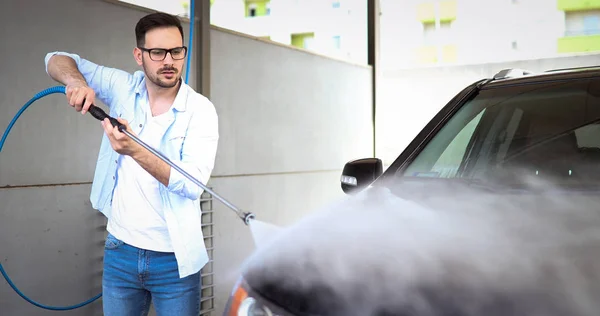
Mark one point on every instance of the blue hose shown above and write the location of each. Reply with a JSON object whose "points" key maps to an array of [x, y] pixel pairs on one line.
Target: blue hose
{"points": [[62, 89], [189, 60], [41, 94]]}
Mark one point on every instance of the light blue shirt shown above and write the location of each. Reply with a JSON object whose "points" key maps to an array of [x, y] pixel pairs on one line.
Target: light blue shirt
{"points": [[190, 142]]}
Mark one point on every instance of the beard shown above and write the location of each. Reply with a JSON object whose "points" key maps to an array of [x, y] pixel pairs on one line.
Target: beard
{"points": [[157, 80]]}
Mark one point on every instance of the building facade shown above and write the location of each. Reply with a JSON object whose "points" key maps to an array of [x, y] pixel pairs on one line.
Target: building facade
{"points": [[417, 33], [335, 28]]}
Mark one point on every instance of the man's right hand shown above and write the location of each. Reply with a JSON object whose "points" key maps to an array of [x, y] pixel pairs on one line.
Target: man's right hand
{"points": [[76, 94]]}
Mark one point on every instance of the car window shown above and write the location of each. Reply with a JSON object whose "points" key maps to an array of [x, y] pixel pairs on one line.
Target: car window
{"points": [[547, 130], [446, 164]]}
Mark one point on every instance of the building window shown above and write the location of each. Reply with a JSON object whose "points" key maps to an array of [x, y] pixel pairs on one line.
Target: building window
{"points": [[337, 42], [303, 40], [591, 25], [256, 8], [581, 23], [445, 36], [433, 36], [429, 34], [309, 43], [252, 10]]}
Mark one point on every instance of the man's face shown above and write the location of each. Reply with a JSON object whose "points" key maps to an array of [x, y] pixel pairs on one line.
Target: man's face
{"points": [[165, 72]]}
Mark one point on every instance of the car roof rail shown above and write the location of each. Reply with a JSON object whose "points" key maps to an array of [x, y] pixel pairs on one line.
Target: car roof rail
{"points": [[511, 73], [573, 68]]}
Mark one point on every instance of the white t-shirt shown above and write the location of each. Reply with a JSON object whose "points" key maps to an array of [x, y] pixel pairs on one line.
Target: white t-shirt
{"points": [[137, 216]]}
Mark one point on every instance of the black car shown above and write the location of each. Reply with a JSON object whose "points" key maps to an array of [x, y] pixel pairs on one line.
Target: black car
{"points": [[493, 209]]}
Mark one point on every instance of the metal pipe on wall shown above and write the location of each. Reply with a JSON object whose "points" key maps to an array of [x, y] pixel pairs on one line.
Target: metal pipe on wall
{"points": [[373, 42], [202, 46]]}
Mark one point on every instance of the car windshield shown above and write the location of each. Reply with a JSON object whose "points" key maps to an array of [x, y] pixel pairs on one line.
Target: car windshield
{"points": [[550, 131]]}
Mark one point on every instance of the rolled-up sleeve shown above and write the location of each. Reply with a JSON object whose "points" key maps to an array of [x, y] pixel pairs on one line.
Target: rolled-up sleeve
{"points": [[105, 81], [198, 152], [75, 57]]}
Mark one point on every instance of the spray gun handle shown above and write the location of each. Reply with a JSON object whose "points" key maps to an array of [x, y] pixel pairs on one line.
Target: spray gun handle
{"points": [[100, 115]]}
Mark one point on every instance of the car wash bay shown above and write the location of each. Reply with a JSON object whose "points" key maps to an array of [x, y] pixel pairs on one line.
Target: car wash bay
{"points": [[289, 120]]}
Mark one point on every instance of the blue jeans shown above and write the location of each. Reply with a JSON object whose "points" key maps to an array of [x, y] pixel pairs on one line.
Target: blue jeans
{"points": [[134, 277]]}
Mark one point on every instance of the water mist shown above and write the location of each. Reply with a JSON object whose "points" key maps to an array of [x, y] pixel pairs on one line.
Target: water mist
{"points": [[455, 251]]}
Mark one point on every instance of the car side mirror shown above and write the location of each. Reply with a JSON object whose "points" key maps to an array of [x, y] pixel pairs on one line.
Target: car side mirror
{"points": [[358, 174]]}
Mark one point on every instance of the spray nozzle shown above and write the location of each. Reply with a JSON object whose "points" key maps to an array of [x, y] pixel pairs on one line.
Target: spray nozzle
{"points": [[247, 217]]}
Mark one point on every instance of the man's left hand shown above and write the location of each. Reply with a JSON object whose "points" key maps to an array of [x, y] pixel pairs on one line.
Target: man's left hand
{"points": [[120, 142]]}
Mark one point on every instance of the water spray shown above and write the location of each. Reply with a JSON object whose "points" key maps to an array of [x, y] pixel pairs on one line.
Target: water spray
{"points": [[100, 115]]}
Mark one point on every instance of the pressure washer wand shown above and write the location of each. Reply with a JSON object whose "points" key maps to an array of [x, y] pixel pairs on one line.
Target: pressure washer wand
{"points": [[99, 114]]}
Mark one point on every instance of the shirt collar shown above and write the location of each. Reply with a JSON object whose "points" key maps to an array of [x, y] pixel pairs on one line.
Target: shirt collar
{"points": [[180, 102]]}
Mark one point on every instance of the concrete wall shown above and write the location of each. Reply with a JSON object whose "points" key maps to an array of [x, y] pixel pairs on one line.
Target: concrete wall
{"points": [[411, 97], [289, 120]]}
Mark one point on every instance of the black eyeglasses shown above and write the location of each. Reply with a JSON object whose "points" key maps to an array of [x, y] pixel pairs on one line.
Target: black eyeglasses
{"points": [[159, 54]]}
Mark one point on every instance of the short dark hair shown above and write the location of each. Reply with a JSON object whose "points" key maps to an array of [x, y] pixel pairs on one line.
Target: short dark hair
{"points": [[152, 21]]}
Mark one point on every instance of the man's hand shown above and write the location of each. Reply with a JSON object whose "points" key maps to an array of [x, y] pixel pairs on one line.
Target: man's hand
{"points": [[64, 69], [77, 92], [124, 145], [120, 142]]}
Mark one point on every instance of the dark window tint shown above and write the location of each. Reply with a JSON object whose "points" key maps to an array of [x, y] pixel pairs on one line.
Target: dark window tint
{"points": [[550, 131]]}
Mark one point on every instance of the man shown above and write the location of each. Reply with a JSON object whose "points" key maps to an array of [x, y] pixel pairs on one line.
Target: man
{"points": [[154, 249]]}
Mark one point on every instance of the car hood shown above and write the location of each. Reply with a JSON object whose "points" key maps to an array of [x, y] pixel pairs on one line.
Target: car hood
{"points": [[454, 252]]}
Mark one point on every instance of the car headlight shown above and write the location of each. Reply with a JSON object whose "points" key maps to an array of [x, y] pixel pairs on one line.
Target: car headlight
{"points": [[245, 302], [250, 307]]}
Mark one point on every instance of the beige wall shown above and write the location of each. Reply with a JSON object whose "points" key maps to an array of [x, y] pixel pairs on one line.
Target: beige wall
{"points": [[289, 122]]}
